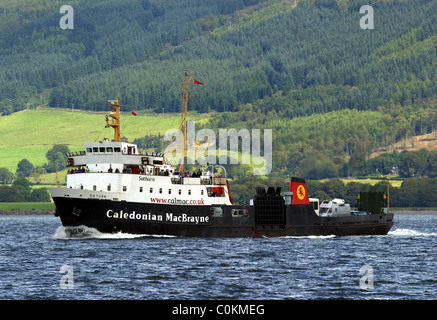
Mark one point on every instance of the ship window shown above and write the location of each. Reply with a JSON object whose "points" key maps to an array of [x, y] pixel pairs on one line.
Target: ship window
{"points": [[189, 192], [124, 188], [201, 192], [109, 149], [180, 191], [109, 187], [95, 149], [90, 150], [141, 189], [216, 192], [216, 212], [239, 212], [102, 149], [94, 188], [151, 190], [117, 150], [169, 191], [160, 190]]}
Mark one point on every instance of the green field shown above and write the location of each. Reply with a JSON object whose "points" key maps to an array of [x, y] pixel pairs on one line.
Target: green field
{"points": [[30, 134], [27, 206], [393, 183]]}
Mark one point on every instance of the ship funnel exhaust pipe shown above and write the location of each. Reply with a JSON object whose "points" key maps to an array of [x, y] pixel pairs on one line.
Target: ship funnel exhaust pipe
{"points": [[299, 189]]}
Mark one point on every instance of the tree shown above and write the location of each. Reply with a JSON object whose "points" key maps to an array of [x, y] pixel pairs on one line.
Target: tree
{"points": [[357, 164], [56, 157], [23, 186], [10, 194], [335, 188], [39, 195], [5, 176], [24, 168], [316, 166], [431, 167], [417, 192], [353, 189], [413, 164]]}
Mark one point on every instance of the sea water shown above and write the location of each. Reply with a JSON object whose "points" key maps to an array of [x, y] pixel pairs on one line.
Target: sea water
{"points": [[39, 260]]}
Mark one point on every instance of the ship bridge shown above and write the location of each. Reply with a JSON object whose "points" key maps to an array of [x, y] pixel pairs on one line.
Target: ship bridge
{"points": [[106, 156]]}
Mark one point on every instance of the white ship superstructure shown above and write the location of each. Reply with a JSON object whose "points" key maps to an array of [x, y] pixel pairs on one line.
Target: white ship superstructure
{"points": [[117, 171]]}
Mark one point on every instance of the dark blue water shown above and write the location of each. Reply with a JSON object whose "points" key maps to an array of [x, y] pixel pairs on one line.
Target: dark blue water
{"points": [[33, 249]]}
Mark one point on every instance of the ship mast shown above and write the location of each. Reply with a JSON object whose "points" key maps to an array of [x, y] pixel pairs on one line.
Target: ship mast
{"points": [[184, 117], [388, 196], [115, 124]]}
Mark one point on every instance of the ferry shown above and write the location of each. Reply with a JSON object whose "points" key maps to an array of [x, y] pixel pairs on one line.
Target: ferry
{"points": [[114, 187]]}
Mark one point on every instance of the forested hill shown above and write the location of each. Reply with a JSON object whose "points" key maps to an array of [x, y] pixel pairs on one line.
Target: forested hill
{"points": [[315, 54], [330, 90]]}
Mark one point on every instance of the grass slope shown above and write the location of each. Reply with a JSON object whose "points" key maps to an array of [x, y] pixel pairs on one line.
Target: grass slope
{"points": [[27, 206], [31, 133]]}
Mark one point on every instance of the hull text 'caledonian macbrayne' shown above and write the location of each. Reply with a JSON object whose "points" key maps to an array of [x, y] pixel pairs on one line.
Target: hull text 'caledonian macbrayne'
{"points": [[112, 187]]}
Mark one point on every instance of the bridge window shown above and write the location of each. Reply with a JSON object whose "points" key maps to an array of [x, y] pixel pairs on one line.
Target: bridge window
{"points": [[117, 149], [216, 192], [109, 149], [102, 149], [89, 150]]}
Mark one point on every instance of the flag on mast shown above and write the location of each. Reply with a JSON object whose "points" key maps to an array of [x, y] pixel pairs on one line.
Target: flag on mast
{"points": [[197, 82]]}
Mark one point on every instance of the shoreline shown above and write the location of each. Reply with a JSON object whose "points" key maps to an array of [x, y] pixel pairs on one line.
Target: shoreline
{"points": [[414, 211], [26, 213]]}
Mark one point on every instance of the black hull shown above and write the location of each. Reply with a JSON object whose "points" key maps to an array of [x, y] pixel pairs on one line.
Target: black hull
{"points": [[205, 221]]}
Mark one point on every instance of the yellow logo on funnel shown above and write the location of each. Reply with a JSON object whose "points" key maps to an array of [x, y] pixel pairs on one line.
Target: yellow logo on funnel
{"points": [[300, 192]]}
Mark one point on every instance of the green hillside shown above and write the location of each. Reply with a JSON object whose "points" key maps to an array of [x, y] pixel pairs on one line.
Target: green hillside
{"points": [[31, 133], [243, 50], [331, 91]]}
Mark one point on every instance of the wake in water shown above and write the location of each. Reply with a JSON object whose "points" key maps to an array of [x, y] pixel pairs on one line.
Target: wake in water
{"points": [[309, 237], [84, 232], [397, 232], [409, 232]]}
